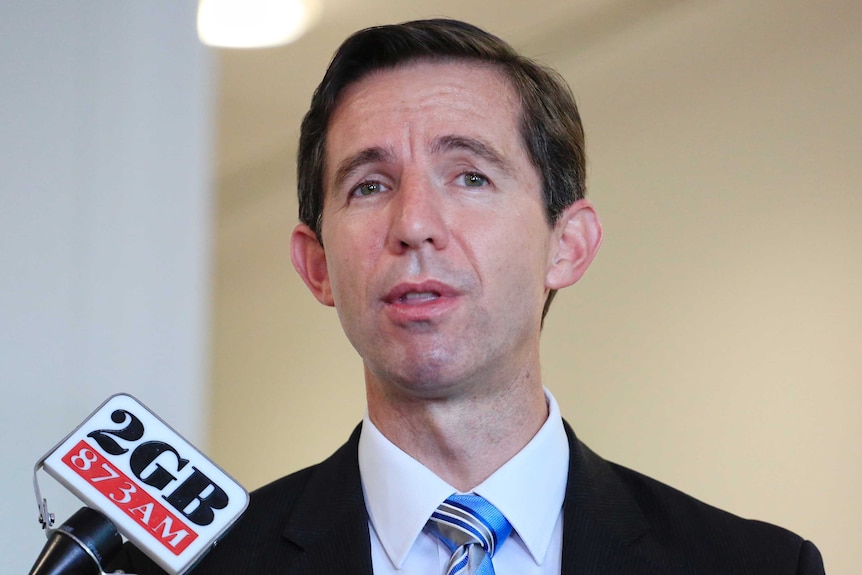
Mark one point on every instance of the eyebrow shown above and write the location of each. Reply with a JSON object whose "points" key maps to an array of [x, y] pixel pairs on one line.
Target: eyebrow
{"points": [[351, 164], [441, 144], [474, 146]]}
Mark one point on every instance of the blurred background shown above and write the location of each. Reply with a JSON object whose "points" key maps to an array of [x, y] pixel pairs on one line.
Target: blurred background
{"points": [[147, 198]]}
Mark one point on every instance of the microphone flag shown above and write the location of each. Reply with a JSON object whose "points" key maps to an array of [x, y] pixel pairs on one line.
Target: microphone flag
{"points": [[159, 491]]}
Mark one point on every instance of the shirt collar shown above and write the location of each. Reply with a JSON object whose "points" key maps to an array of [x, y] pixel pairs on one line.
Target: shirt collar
{"points": [[401, 493]]}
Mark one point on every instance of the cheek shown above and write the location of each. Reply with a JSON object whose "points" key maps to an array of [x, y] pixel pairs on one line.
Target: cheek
{"points": [[524, 266], [508, 269], [345, 273], [351, 264]]}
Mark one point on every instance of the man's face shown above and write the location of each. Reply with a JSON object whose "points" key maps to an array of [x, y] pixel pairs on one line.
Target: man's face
{"points": [[434, 230]]}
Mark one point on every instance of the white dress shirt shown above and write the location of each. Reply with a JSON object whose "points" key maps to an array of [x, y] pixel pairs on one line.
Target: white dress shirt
{"points": [[401, 493]]}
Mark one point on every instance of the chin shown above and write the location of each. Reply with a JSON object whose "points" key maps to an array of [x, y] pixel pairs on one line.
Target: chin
{"points": [[428, 378]]}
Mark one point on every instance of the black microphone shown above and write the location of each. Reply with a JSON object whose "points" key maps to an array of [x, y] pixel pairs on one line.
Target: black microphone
{"points": [[140, 480], [80, 546]]}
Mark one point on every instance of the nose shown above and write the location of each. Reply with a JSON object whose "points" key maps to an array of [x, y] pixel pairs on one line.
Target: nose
{"points": [[418, 218]]}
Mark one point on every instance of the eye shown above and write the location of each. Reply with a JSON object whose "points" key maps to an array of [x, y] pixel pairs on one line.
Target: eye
{"points": [[368, 188], [474, 180]]}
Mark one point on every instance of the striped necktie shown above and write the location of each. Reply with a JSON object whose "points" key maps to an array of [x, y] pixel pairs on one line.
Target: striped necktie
{"points": [[473, 530]]}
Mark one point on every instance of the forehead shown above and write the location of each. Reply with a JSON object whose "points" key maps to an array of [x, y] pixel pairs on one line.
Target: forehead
{"points": [[431, 78], [405, 107]]}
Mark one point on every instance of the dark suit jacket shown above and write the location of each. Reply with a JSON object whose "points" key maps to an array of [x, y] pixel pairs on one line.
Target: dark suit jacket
{"points": [[615, 522]]}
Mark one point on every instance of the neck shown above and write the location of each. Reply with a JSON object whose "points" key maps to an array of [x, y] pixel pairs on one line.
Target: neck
{"points": [[465, 437]]}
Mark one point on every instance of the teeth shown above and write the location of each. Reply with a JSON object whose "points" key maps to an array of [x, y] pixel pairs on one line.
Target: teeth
{"points": [[419, 295]]}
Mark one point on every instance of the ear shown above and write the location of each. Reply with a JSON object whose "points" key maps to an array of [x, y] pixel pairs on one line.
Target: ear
{"points": [[309, 259], [576, 240]]}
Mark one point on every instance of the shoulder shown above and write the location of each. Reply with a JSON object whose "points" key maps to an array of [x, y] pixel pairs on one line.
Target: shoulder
{"points": [[703, 534], [258, 530], [681, 530], [285, 515], [262, 536], [674, 515]]}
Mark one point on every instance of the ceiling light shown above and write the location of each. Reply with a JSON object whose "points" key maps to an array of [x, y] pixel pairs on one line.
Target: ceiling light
{"points": [[254, 23]]}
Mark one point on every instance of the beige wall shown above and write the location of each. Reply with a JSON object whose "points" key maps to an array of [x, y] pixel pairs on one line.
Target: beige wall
{"points": [[715, 342]]}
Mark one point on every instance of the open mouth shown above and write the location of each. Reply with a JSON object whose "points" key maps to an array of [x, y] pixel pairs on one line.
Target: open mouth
{"points": [[419, 297], [415, 293]]}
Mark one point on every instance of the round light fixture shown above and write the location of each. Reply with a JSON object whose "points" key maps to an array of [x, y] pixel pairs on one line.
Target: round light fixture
{"points": [[254, 23]]}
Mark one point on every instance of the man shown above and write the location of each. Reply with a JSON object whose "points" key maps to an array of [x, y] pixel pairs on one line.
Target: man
{"points": [[441, 185]]}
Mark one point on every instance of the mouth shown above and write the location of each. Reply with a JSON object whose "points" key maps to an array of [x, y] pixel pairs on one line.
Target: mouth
{"points": [[409, 293], [418, 297], [424, 304]]}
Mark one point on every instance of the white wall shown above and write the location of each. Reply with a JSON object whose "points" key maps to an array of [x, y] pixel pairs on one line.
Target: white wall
{"points": [[104, 230]]}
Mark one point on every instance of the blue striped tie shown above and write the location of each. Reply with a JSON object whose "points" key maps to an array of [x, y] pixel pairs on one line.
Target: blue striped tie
{"points": [[473, 530]]}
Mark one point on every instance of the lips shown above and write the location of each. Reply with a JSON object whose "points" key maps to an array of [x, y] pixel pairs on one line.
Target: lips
{"points": [[419, 292], [420, 301], [418, 297]]}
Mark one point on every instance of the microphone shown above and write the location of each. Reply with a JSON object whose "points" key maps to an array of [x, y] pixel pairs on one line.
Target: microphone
{"points": [[79, 546], [140, 479]]}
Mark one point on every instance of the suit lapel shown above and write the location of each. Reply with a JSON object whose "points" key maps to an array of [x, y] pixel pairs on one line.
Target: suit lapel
{"points": [[329, 523], [603, 526]]}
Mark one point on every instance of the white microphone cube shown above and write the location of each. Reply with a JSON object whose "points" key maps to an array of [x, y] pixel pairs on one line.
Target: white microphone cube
{"points": [[163, 494]]}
